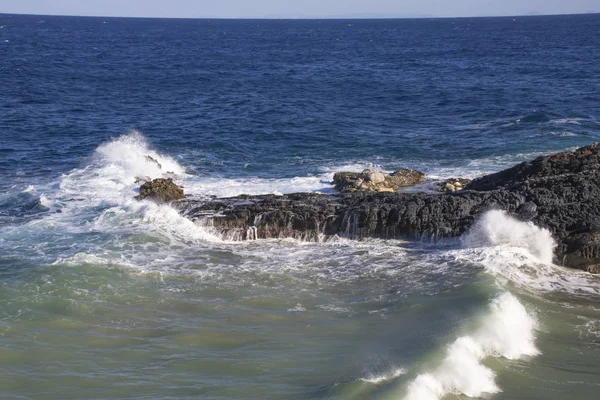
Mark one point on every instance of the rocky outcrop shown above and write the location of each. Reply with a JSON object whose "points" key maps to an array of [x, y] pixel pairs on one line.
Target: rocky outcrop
{"points": [[376, 181], [585, 160], [559, 192], [452, 185], [160, 190], [302, 215]]}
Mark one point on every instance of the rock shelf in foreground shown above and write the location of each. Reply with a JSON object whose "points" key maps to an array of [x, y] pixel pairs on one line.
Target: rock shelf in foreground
{"points": [[560, 192]]}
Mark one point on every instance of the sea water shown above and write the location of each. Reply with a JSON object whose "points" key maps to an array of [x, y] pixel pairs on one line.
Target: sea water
{"points": [[105, 297]]}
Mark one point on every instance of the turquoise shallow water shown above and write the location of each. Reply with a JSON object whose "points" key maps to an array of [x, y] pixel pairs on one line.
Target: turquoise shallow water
{"points": [[105, 297]]}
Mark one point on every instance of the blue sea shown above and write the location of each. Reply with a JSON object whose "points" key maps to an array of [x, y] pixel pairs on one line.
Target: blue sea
{"points": [[105, 297]]}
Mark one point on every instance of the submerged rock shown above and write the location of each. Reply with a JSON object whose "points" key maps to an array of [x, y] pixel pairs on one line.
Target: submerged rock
{"points": [[160, 190], [559, 192], [376, 181]]}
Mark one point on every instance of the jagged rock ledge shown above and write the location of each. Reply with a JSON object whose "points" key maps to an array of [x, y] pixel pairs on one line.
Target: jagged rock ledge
{"points": [[559, 192]]}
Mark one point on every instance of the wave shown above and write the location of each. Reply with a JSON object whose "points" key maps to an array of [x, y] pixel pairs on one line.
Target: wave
{"points": [[321, 182], [511, 251], [521, 253], [219, 187], [99, 197], [496, 228], [386, 377], [568, 121], [507, 331]]}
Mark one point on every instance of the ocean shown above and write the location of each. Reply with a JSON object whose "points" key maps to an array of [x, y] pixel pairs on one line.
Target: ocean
{"points": [[105, 297]]}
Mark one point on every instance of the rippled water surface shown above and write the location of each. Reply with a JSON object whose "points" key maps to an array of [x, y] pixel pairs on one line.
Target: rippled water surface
{"points": [[105, 297]]}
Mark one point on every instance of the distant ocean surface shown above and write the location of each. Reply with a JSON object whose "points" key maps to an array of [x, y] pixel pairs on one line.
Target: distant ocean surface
{"points": [[104, 297]]}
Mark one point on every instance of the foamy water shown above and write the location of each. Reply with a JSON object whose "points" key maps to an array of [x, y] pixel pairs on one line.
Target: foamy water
{"points": [[508, 331], [93, 209], [105, 297]]}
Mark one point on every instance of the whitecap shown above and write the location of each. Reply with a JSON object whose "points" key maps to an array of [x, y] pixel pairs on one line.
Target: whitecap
{"points": [[496, 228], [567, 121], [522, 253], [299, 308], [385, 377], [507, 331]]}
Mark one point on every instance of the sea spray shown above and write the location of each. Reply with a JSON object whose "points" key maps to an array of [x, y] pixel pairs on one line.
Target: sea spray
{"points": [[501, 244], [496, 228], [132, 156], [99, 196], [508, 331], [521, 253]]}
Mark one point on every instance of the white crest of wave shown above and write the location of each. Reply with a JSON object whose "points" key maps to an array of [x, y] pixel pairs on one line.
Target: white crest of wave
{"points": [[130, 154], [100, 196], [214, 186], [171, 224], [521, 253], [389, 376], [506, 331], [230, 187], [496, 228], [115, 166]]}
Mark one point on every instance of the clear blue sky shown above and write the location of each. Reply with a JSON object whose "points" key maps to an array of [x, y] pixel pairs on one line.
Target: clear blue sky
{"points": [[297, 8]]}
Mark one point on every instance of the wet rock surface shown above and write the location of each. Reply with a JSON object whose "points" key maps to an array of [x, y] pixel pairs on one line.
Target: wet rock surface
{"points": [[160, 190], [559, 192]]}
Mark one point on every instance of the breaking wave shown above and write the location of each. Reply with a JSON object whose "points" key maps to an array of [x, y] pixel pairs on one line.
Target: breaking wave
{"points": [[507, 331], [496, 228], [521, 253]]}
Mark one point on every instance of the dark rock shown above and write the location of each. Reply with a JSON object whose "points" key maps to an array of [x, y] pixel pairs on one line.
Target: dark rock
{"points": [[161, 191], [527, 211], [376, 181], [558, 192], [583, 160], [154, 160], [405, 177], [581, 248]]}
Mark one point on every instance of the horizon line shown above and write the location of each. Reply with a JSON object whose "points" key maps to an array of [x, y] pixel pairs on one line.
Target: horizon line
{"points": [[314, 18]]}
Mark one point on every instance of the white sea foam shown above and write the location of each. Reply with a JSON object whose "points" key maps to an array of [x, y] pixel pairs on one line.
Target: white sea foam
{"points": [[508, 331], [99, 196], [214, 186], [129, 155], [85, 258], [335, 309], [299, 308], [386, 377], [495, 228], [521, 253], [320, 182], [358, 166], [563, 134], [45, 202], [570, 121], [514, 251]]}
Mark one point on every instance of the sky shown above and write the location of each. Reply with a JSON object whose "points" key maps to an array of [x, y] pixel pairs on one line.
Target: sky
{"points": [[298, 8]]}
